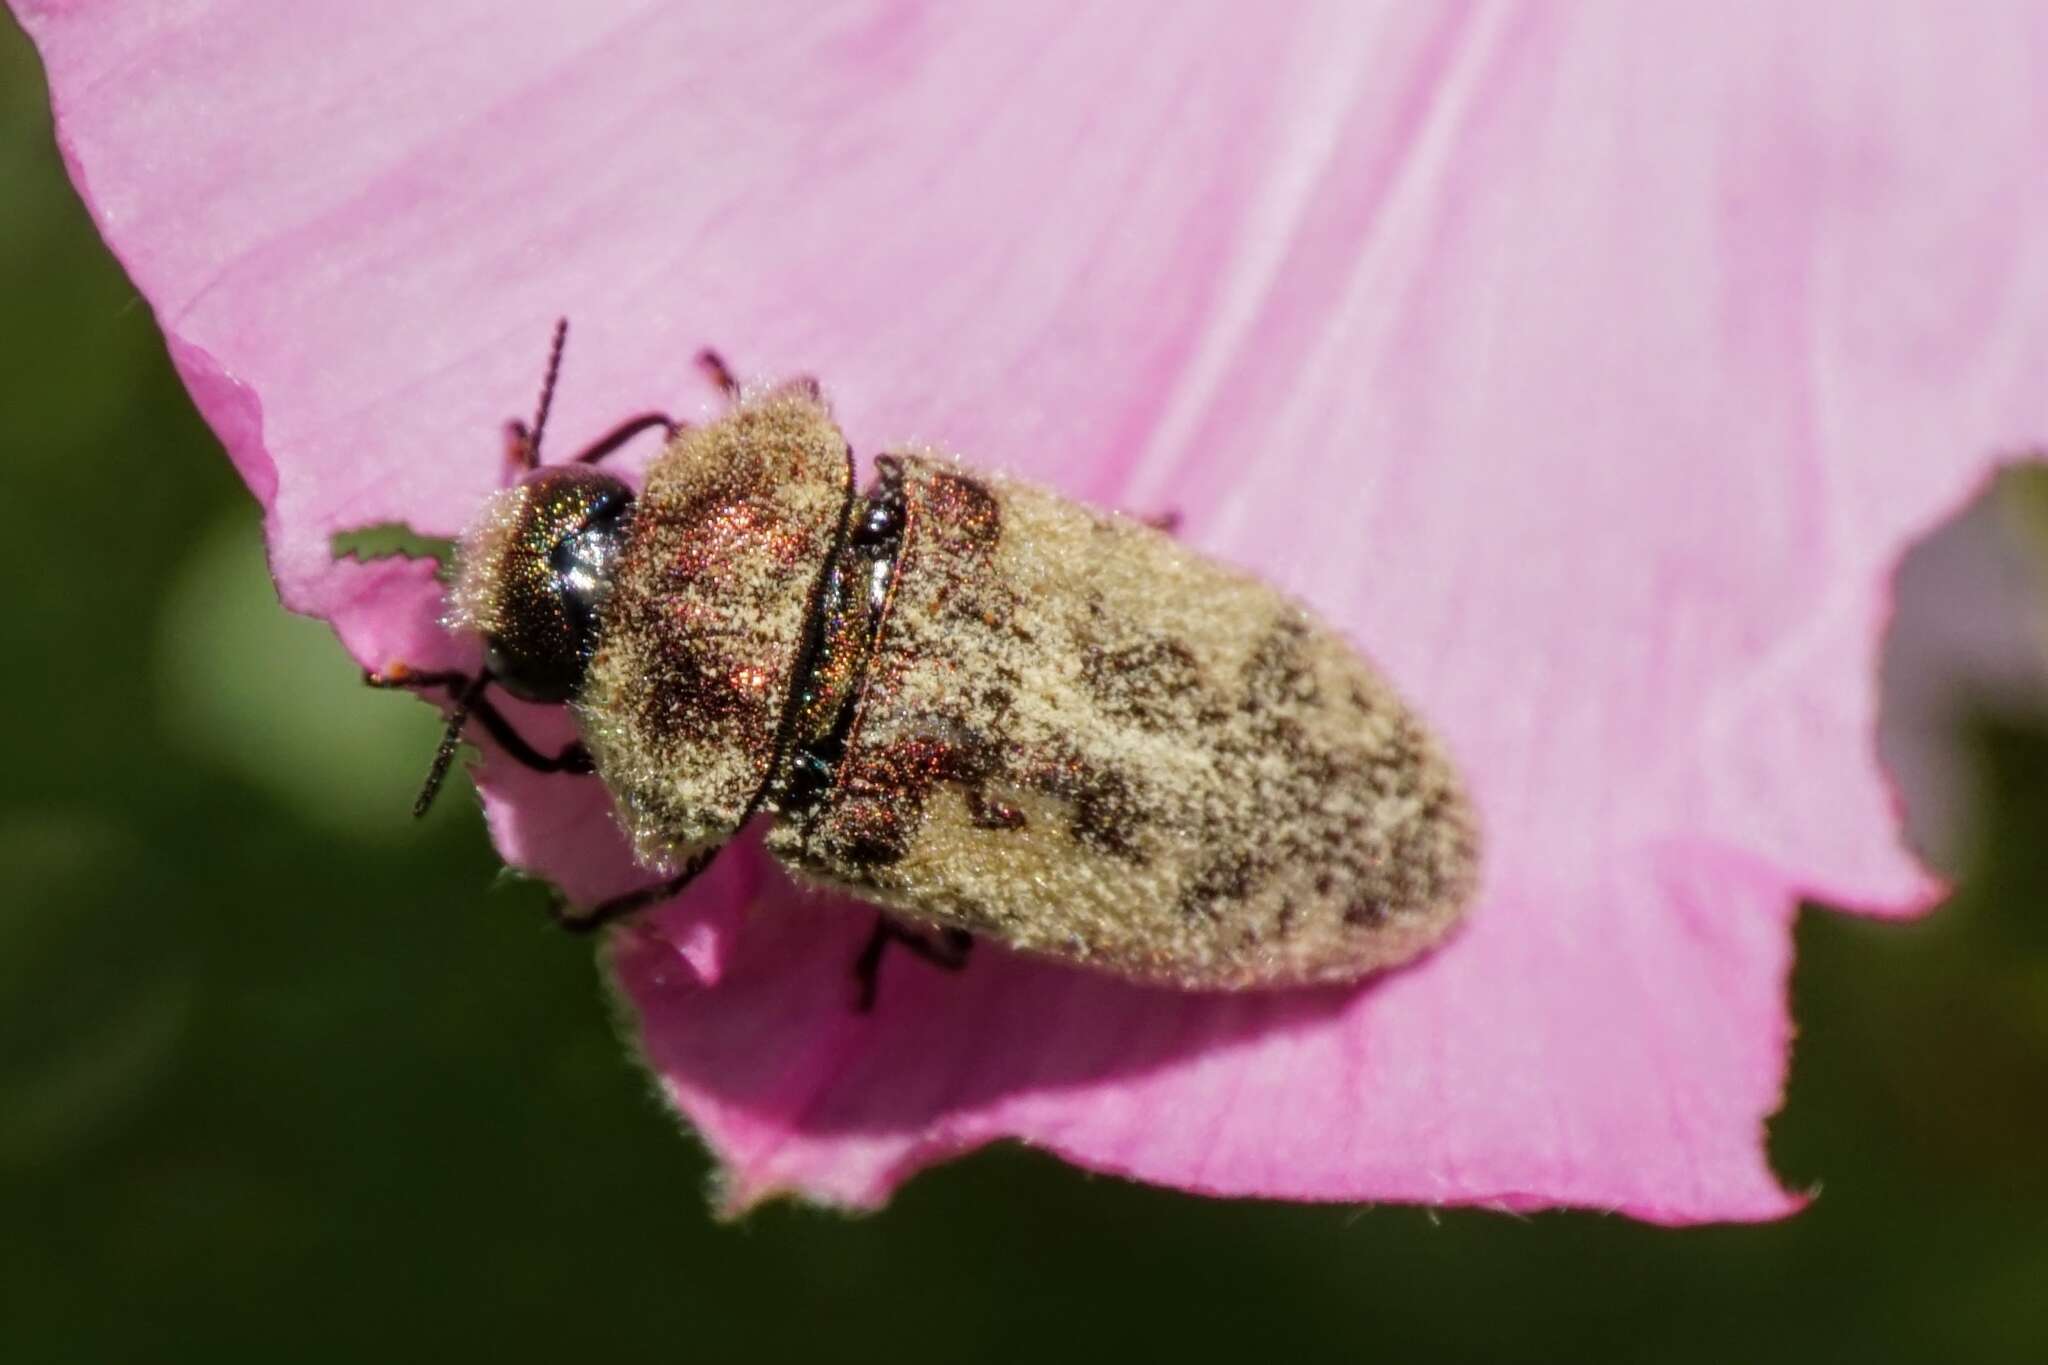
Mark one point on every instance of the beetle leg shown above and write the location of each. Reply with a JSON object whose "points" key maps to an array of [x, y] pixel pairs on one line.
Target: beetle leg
{"points": [[949, 953], [624, 432], [715, 368], [713, 364], [618, 907], [574, 758], [521, 453]]}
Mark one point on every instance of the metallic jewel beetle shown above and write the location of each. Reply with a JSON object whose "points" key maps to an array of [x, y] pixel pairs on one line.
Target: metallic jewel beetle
{"points": [[984, 708]]}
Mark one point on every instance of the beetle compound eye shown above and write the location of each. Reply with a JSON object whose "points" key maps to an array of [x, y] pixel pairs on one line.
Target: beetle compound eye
{"points": [[582, 564], [536, 571]]}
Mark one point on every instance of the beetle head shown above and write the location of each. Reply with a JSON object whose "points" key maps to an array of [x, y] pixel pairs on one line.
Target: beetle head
{"points": [[535, 571]]}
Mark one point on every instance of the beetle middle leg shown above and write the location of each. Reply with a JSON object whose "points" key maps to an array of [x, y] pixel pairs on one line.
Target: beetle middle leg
{"points": [[618, 907], [949, 953]]}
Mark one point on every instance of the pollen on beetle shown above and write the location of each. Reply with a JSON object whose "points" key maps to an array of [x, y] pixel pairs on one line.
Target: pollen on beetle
{"points": [[977, 704], [1073, 735], [476, 602], [706, 629]]}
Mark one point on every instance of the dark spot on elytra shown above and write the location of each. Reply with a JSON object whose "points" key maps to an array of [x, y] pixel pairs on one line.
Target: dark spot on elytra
{"points": [[1151, 684], [879, 796], [1277, 676], [1287, 735], [1103, 813], [1106, 819], [865, 825], [962, 512], [987, 812], [876, 848], [696, 683], [1226, 879], [1366, 914]]}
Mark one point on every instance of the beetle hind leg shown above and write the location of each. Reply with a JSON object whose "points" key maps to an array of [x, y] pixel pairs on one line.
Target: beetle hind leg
{"points": [[949, 952]]}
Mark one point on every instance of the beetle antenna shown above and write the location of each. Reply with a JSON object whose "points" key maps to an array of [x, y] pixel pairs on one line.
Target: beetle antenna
{"points": [[547, 389], [451, 739]]}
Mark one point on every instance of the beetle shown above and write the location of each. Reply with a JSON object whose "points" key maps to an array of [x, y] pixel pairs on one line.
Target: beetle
{"points": [[988, 710]]}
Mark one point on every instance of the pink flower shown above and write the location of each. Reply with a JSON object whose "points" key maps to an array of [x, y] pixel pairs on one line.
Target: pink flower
{"points": [[1590, 364]]}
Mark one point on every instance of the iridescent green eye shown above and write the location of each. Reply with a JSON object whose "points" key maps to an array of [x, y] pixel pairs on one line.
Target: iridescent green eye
{"points": [[535, 575]]}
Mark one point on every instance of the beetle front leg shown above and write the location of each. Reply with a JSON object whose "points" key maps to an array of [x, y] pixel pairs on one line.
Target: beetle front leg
{"points": [[573, 758]]}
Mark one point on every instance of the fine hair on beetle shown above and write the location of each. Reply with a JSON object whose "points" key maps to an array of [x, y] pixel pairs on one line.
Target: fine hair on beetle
{"points": [[986, 709]]}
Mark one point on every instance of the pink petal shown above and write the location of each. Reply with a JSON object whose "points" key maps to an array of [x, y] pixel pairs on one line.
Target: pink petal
{"points": [[1589, 363]]}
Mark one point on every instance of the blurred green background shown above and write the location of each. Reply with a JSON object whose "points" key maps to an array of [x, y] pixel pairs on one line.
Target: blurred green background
{"points": [[282, 1076]]}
